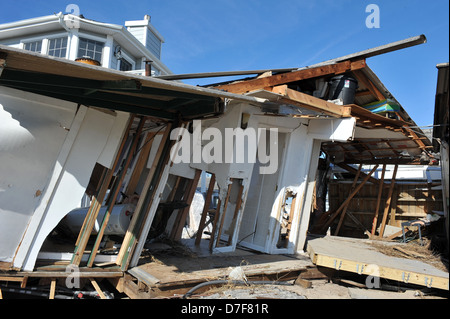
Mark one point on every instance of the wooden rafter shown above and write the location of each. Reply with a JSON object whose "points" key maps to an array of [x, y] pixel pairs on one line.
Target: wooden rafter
{"points": [[309, 102], [283, 78], [360, 76]]}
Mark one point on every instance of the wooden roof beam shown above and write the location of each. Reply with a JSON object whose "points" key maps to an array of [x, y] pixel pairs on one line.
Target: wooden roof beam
{"points": [[283, 78], [362, 78], [309, 102]]}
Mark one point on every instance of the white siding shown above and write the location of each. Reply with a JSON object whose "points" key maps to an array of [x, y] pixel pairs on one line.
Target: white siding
{"points": [[153, 44]]}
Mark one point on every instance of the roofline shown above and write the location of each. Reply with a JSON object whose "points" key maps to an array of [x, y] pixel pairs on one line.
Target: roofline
{"points": [[56, 18], [25, 22], [386, 48], [390, 47], [131, 38], [40, 59]]}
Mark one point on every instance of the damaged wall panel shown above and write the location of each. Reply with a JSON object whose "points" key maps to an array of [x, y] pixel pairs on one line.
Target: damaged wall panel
{"points": [[92, 134], [27, 166], [251, 202]]}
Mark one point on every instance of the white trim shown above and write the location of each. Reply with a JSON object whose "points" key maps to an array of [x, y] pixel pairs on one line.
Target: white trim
{"points": [[108, 51], [89, 36]]}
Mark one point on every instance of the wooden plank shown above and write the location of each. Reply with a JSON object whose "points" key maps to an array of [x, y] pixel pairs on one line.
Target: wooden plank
{"points": [[344, 210], [388, 202], [140, 163], [97, 288], [139, 207], [251, 85], [392, 273], [179, 270], [393, 207], [380, 192], [92, 214], [302, 282], [310, 102], [236, 211], [114, 192], [65, 274], [222, 215], [52, 289], [208, 199], [215, 221], [357, 256], [182, 215], [328, 223], [361, 77], [350, 169]]}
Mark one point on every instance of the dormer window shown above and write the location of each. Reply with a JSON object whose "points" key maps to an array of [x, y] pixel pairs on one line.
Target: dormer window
{"points": [[34, 46], [90, 48], [57, 47]]}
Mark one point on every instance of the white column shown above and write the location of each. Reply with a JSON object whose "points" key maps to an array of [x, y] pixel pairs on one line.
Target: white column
{"points": [[73, 44], [108, 51], [44, 48]]}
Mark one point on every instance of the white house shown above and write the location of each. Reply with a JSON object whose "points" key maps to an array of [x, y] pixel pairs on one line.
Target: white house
{"points": [[67, 119], [124, 48]]}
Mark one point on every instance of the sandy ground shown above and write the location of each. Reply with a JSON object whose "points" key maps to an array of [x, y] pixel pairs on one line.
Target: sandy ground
{"points": [[321, 289]]}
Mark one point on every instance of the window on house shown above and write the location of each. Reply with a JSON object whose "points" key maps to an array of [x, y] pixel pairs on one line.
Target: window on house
{"points": [[34, 46], [125, 65], [57, 47], [90, 48]]}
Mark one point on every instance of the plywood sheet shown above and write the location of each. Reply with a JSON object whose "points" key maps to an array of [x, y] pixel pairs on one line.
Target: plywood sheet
{"points": [[171, 270], [357, 255]]}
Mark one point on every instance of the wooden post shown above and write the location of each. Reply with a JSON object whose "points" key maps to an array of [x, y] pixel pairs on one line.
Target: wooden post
{"points": [[236, 211], [349, 198], [140, 163], [388, 202], [380, 191], [97, 288], [146, 200], [344, 211], [92, 214], [182, 215], [216, 219], [222, 216], [208, 199], [114, 193], [52, 289]]}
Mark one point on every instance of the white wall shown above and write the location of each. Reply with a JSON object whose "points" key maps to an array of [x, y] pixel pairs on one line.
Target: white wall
{"points": [[26, 165], [45, 172], [96, 136]]}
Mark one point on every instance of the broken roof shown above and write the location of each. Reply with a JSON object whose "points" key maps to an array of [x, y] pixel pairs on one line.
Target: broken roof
{"points": [[109, 89], [378, 139]]}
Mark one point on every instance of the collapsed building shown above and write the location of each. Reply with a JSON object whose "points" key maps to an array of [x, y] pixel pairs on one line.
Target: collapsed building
{"points": [[115, 159]]}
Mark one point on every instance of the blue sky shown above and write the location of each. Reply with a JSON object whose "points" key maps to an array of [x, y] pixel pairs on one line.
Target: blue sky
{"points": [[225, 35]]}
